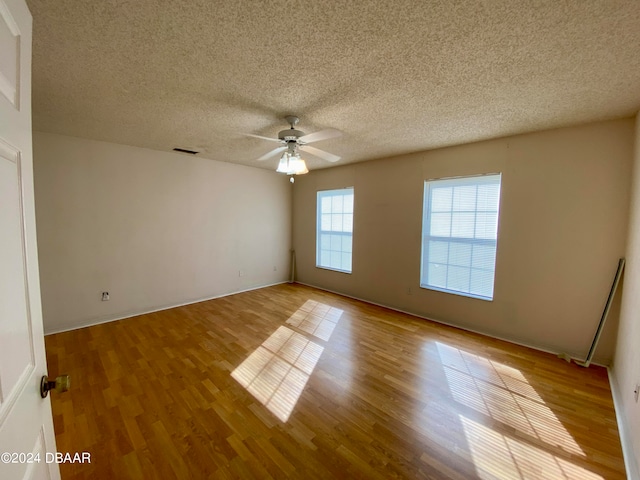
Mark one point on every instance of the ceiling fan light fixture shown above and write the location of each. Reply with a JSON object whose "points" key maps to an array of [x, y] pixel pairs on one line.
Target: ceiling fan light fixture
{"points": [[291, 140], [297, 165], [283, 166], [292, 164]]}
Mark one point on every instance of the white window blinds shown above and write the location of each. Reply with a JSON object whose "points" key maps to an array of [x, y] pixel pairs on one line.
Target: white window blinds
{"points": [[334, 229], [459, 235]]}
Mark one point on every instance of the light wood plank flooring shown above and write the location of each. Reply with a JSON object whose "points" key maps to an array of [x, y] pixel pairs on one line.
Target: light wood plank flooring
{"points": [[293, 382]]}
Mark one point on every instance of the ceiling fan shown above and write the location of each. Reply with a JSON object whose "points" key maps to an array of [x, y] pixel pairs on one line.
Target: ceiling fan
{"points": [[293, 141]]}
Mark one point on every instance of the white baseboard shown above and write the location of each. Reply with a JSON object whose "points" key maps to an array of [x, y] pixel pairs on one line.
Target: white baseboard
{"points": [[134, 313], [449, 324], [630, 462]]}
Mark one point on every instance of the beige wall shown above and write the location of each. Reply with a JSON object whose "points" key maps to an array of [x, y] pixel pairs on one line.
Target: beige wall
{"points": [[564, 210], [155, 229], [626, 365]]}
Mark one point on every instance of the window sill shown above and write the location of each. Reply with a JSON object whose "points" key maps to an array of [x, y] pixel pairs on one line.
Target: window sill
{"points": [[456, 292], [348, 272]]}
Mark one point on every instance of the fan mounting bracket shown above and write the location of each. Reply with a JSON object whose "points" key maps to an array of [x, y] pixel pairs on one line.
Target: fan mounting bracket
{"points": [[292, 120]]}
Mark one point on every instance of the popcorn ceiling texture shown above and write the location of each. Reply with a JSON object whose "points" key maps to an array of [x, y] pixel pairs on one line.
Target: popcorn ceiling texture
{"points": [[396, 76]]}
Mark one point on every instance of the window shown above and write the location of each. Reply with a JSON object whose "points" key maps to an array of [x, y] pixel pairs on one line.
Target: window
{"points": [[334, 229], [459, 235]]}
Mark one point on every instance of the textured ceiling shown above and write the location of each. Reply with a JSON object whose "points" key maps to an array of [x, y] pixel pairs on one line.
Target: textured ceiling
{"points": [[394, 76]]}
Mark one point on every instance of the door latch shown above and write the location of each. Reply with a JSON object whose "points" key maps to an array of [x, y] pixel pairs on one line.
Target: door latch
{"points": [[60, 384]]}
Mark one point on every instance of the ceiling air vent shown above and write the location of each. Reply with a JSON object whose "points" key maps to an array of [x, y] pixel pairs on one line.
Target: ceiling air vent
{"points": [[184, 150]]}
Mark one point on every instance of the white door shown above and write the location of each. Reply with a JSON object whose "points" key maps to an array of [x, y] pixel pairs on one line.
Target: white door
{"points": [[26, 426]]}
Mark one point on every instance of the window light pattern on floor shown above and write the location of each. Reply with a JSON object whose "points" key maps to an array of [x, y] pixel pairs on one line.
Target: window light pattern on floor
{"points": [[278, 370], [316, 318], [503, 393], [497, 456]]}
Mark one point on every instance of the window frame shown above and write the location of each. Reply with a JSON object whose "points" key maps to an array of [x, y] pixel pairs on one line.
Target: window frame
{"points": [[330, 193], [475, 180]]}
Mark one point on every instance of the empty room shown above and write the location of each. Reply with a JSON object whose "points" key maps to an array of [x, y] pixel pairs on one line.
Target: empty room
{"points": [[312, 240]]}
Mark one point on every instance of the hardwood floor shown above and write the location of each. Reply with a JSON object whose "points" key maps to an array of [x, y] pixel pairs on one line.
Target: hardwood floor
{"points": [[293, 382]]}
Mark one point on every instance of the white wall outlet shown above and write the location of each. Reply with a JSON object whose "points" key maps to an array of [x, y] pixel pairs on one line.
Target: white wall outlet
{"points": [[241, 273], [105, 296], [636, 392]]}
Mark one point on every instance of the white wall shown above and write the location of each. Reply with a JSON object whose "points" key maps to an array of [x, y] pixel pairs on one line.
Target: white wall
{"points": [[626, 364], [155, 229], [563, 224]]}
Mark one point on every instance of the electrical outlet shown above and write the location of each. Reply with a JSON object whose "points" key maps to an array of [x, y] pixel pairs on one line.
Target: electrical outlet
{"points": [[409, 291], [636, 392], [275, 269], [241, 273], [105, 296]]}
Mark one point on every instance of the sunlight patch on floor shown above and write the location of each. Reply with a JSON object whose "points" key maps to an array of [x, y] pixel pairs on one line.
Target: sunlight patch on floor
{"points": [[316, 318], [503, 393], [496, 456], [278, 370]]}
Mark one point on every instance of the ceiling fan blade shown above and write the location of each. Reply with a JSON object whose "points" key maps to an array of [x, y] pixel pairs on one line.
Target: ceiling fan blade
{"points": [[272, 153], [321, 135], [329, 157], [263, 138]]}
